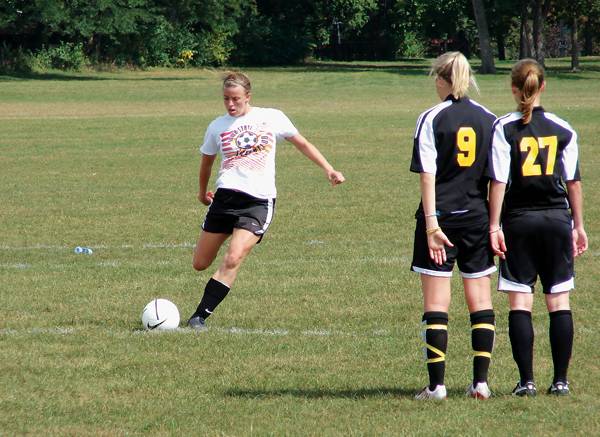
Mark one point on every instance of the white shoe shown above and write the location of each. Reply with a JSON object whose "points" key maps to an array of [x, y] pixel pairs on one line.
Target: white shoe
{"points": [[439, 394], [479, 391]]}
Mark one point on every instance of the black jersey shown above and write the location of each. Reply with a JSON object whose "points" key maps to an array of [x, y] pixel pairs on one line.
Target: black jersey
{"points": [[534, 159], [451, 142]]}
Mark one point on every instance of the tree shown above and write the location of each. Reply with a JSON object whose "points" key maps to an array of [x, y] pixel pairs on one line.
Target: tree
{"points": [[485, 49], [540, 12]]}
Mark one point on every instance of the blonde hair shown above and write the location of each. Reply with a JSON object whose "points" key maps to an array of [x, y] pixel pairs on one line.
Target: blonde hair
{"points": [[236, 78], [527, 76], [454, 68]]}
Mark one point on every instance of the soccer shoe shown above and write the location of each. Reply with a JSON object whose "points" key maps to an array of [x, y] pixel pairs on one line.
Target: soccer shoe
{"points": [[559, 388], [197, 323], [479, 391], [525, 390], [439, 394]]}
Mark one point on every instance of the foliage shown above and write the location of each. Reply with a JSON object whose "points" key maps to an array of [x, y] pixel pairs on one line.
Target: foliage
{"points": [[263, 32]]}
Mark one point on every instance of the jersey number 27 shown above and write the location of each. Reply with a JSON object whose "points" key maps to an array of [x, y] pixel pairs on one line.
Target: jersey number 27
{"points": [[532, 146]]}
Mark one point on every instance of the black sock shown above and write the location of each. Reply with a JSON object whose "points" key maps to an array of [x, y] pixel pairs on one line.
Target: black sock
{"points": [[435, 327], [214, 293], [482, 341], [520, 331], [561, 342]]}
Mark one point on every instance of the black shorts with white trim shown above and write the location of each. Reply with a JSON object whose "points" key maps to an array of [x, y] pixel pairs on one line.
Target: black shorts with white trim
{"points": [[232, 209], [471, 251], [538, 243]]}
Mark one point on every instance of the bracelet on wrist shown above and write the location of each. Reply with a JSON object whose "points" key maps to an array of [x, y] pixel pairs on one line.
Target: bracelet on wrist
{"points": [[494, 231], [433, 230]]}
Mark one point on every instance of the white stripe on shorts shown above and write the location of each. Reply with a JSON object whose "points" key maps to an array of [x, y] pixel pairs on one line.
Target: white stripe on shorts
{"points": [[269, 217], [431, 272], [477, 275]]}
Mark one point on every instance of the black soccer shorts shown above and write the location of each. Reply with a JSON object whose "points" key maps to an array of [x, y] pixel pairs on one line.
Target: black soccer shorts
{"points": [[471, 252], [235, 209], [538, 243]]}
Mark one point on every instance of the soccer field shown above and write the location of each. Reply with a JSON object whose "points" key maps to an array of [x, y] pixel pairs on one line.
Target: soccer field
{"points": [[320, 334]]}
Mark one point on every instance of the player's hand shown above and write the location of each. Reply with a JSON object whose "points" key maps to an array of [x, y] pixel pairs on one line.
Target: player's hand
{"points": [[498, 244], [206, 198], [335, 177], [580, 241], [437, 243]]}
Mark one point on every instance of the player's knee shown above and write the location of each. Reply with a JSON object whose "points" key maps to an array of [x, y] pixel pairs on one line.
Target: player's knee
{"points": [[200, 264], [232, 260]]}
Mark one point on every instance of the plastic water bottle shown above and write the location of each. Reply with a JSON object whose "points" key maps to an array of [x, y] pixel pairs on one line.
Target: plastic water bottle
{"points": [[85, 250]]}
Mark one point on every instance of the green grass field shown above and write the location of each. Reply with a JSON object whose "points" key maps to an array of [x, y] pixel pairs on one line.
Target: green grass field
{"points": [[321, 333]]}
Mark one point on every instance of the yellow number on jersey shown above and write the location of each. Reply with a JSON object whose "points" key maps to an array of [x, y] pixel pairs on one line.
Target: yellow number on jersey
{"points": [[532, 146], [466, 141]]}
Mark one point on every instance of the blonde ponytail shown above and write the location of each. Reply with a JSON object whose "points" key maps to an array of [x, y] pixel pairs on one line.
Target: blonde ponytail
{"points": [[454, 68], [527, 76]]}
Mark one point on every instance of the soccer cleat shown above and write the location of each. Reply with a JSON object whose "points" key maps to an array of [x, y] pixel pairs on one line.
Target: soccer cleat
{"points": [[479, 391], [439, 394], [525, 390], [197, 323], [559, 388]]}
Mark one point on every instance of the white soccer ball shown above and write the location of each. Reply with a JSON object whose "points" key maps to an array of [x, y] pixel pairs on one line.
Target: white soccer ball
{"points": [[160, 314], [246, 140]]}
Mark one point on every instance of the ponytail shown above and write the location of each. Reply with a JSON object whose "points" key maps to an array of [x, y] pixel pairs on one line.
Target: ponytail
{"points": [[454, 68], [527, 76]]}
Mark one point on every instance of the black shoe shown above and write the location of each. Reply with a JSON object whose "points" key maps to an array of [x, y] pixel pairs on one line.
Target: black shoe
{"points": [[559, 388], [525, 390], [197, 323]]}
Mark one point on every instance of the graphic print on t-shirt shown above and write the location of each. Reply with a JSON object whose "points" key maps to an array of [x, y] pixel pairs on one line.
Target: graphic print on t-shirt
{"points": [[246, 146]]}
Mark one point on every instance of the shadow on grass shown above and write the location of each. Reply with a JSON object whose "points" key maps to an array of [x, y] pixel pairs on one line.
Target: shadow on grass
{"points": [[93, 76], [317, 393]]}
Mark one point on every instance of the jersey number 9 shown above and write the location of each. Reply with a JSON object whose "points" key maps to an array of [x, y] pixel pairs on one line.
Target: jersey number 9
{"points": [[466, 141]]}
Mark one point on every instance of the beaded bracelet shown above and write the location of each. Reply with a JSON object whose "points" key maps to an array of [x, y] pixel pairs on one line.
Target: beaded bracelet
{"points": [[433, 230]]}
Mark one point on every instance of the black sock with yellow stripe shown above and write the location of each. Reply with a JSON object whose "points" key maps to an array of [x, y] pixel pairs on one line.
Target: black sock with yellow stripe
{"points": [[482, 340], [435, 335]]}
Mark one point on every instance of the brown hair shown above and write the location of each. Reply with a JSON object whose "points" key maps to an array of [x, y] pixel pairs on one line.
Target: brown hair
{"points": [[454, 68], [527, 76], [235, 78]]}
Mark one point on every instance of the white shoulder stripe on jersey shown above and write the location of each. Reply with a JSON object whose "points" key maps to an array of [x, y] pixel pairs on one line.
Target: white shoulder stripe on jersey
{"points": [[433, 111], [425, 138], [482, 107], [499, 154], [570, 154]]}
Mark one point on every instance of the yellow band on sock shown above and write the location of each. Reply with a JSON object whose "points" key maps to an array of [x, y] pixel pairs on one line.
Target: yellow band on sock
{"points": [[442, 327], [482, 354], [436, 351], [434, 360], [484, 326]]}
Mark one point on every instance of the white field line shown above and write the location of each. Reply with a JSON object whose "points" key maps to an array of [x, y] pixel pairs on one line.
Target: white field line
{"points": [[267, 332], [149, 245]]}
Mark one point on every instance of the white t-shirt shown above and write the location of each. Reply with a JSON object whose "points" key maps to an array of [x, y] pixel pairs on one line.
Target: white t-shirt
{"points": [[247, 146]]}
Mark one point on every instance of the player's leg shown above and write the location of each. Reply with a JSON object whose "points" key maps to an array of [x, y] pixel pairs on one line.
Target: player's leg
{"points": [[561, 340], [483, 327], [476, 264], [557, 277], [217, 288], [518, 275], [436, 301], [207, 248], [520, 332]]}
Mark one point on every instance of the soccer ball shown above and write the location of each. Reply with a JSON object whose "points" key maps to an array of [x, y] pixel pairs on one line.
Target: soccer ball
{"points": [[160, 314], [246, 140]]}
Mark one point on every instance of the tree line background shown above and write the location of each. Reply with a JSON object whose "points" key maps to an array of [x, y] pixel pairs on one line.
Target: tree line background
{"points": [[71, 34]]}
